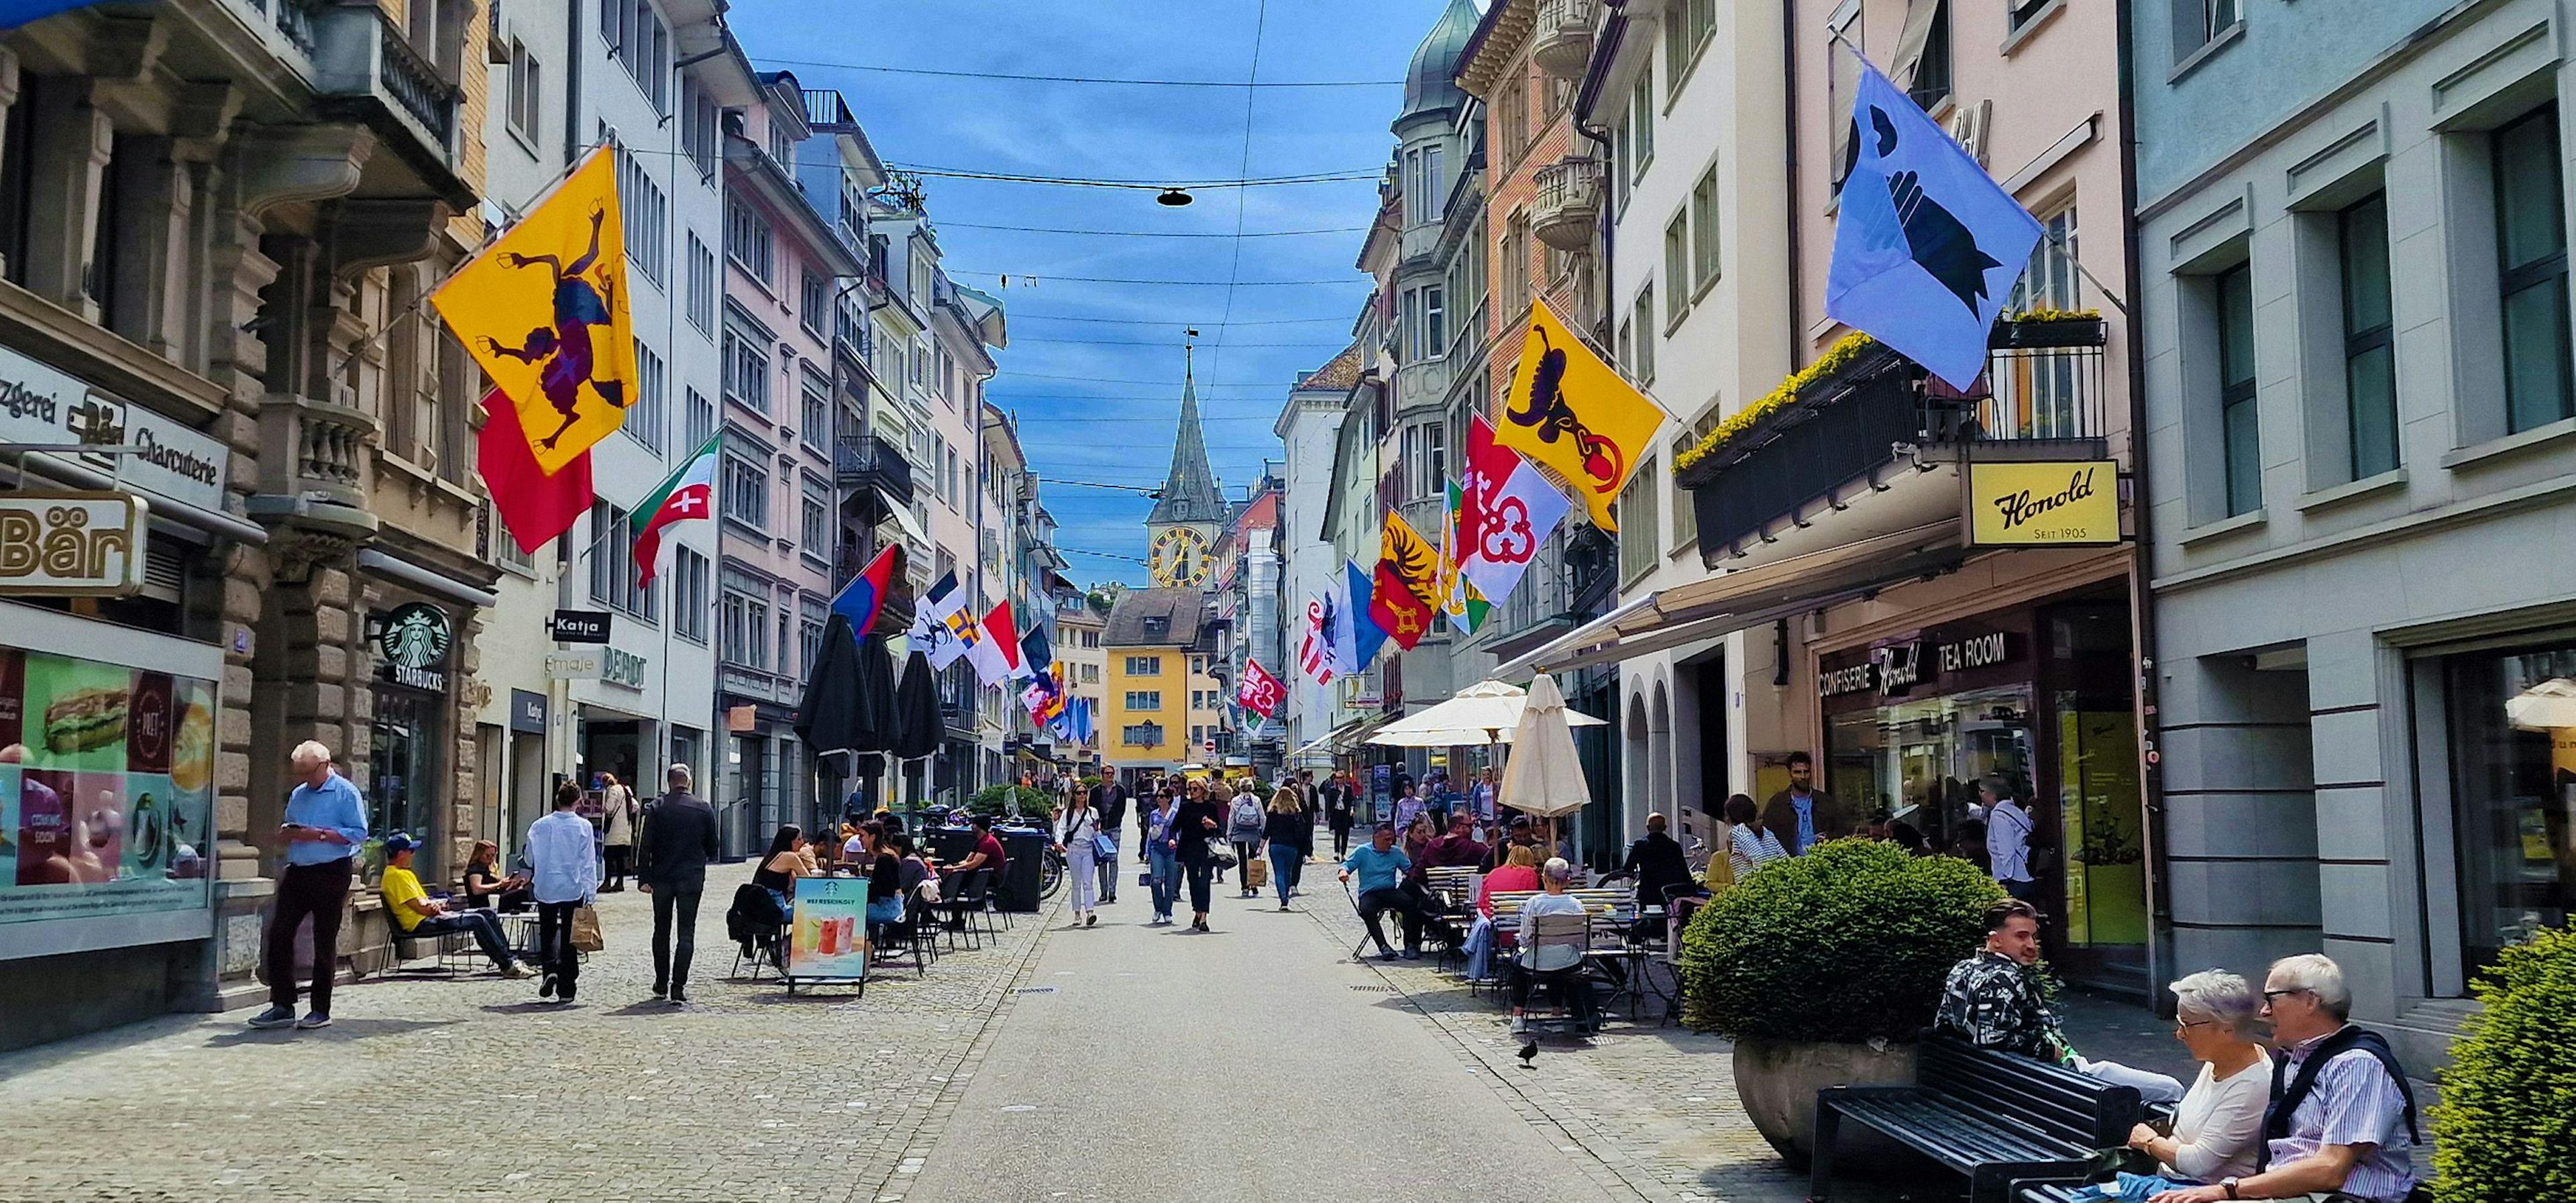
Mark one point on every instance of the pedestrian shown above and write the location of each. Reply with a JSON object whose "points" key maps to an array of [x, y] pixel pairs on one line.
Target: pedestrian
{"points": [[567, 879], [1802, 811], [1195, 827], [1338, 814], [1074, 829], [1245, 823], [617, 831], [1658, 864], [1163, 872], [1109, 800], [680, 838], [2008, 828], [1286, 829], [413, 910], [326, 823], [1750, 845], [1408, 805]]}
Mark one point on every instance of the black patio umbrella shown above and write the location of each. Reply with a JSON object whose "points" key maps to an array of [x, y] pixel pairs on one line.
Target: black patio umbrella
{"points": [[918, 727], [849, 698]]}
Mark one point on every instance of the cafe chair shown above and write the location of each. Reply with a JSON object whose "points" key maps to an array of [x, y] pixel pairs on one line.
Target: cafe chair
{"points": [[1553, 957]]}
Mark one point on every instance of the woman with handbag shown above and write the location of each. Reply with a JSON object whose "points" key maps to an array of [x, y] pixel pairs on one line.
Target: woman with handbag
{"points": [[565, 880], [1197, 831], [1075, 829]]}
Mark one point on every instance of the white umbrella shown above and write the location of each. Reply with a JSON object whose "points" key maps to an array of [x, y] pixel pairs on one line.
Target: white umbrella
{"points": [[1543, 777], [2550, 704], [1483, 713]]}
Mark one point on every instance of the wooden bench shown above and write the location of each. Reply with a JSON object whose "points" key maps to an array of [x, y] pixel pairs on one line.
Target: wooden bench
{"points": [[1997, 1118]]}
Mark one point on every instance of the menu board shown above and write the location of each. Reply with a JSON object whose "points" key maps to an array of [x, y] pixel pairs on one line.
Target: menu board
{"points": [[106, 788], [829, 937]]}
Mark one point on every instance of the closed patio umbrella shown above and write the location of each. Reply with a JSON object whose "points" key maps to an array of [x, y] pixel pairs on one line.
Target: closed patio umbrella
{"points": [[918, 727], [1543, 777]]}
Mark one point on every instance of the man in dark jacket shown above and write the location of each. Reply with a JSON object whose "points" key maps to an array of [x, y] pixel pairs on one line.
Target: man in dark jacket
{"points": [[1656, 861], [1109, 806], [679, 840], [1802, 815]]}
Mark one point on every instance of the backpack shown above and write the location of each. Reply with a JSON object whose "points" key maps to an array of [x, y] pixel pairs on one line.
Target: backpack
{"points": [[1247, 812]]}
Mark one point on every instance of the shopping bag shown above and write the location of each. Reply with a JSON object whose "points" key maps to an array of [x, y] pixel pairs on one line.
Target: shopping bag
{"points": [[1256, 873], [585, 930]]}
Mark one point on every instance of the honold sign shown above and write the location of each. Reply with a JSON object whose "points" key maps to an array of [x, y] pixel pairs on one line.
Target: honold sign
{"points": [[2053, 502]]}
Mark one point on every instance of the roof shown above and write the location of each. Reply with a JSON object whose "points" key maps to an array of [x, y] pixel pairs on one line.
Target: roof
{"points": [[1263, 513], [1180, 609], [1189, 490], [1338, 373], [1430, 83], [1499, 36]]}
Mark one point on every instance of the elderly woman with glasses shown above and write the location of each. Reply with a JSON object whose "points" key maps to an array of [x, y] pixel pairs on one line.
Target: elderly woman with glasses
{"points": [[2218, 1126]]}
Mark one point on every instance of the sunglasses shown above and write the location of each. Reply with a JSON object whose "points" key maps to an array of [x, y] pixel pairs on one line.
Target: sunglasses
{"points": [[2269, 995]]}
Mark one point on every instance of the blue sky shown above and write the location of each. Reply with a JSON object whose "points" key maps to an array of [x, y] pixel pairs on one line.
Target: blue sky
{"points": [[1091, 409]]}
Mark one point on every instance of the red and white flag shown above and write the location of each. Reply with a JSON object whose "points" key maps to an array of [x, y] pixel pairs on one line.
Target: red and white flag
{"points": [[686, 495], [1260, 692], [1507, 511], [1315, 650]]}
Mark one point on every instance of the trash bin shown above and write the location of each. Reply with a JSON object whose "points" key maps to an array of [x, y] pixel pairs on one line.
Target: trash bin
{"points": [[1024, 851]]}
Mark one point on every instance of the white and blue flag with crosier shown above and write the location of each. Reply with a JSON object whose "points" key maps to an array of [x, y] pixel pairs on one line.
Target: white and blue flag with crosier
{"points": [[1929, 245]]}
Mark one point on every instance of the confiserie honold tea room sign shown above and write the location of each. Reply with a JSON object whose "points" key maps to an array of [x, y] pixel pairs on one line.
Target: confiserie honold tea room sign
{"points": [[2049, 503], [56, 544]]}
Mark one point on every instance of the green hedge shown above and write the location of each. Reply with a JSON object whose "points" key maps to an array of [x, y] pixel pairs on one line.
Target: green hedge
{"points": [[998, 800], [1846, 944], [2506, 1129]]}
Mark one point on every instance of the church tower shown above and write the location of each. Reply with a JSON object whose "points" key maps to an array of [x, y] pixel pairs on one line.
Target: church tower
{"points": [[1182, 530]]}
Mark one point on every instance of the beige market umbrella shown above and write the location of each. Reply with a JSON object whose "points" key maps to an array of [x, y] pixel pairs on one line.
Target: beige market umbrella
{"points": [[1543, 777], [2545, 706], [1483, 713]]}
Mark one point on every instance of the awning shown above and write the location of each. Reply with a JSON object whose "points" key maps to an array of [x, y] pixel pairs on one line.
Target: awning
{"points": [[911, 529], [1731, 602]]}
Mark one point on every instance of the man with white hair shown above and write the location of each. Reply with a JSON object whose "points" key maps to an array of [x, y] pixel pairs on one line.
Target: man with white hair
{"points": [[326, 824], [2342, 1124]]}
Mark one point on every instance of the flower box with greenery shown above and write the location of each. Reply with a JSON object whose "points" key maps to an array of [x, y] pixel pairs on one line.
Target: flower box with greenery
{"points": [[1825, 968], [1697, 464], [2038, 329], [2506, 1128]]}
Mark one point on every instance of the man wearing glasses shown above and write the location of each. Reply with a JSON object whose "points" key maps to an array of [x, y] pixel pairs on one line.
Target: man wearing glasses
{"points": [[2341, 1126]]}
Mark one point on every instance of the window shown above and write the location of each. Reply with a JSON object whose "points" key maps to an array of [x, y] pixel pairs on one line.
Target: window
{"points": [[815, 305], [2240, 440], [814, 411], [815, 524], [2369, 354], [527, 94], [698, 128], [1703, 215], [1645, 322], [2197, 23], [701, 419], [1677, 265], [2514, 874], [1640, 544], [1687, 25], [646, 213], [1144, 666], [645, 416], [1930, 70], [639, 41], [1090, 672], [811, 614], [1144, 699], [1511, 119], [689, 595], [2023, 11], [702, 284], [2045, 396], [747, 240], [1516, 262], [1142, 735], [2531, 238], [746, 492], [1426, 331], [1843, 48], [746, 369], [1423, 182], [612, 576]]}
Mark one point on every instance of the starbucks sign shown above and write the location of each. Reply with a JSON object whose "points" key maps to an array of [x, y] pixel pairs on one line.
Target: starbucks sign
{"points": [[411, 644]]}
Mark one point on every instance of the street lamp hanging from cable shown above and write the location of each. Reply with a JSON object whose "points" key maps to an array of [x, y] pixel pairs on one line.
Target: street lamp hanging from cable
{"points": [[1173, 197]]}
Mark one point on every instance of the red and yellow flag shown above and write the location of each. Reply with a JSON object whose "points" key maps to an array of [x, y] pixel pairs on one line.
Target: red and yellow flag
{"points": [[1407, 583], [543, 310], [1574, 414]]}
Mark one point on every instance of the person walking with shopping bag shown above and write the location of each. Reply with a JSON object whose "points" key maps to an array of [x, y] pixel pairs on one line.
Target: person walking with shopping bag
{"points": [[1076, 827], [566, 881], [1245, 823]]}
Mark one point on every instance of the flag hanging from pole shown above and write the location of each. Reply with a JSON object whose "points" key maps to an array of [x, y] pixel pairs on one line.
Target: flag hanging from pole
{"points": [[686, 495], [1354, 635], [1459, 598], [931, 634], [534, 507], [994, 650], [1928, 245], [1570, 411], [1407, 585], [543, 311], [1315, 649], [864, 598], [1509, 510], [1260, 692]]}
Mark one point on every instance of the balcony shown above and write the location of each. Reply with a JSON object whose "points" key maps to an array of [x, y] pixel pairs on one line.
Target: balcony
{"points": [[870, 462], [366, 69], [1567, 212], [1876, 447], [1562, 41], [316, 461]]}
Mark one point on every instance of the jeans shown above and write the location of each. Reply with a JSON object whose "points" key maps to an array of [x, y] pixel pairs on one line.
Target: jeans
{"points": [[1284, 861], [1374, 903], [1083, 874], [1166, 870], [485, 926], [320, 891], [1480, 949], [1201, 869], [1341, 843], [621, 857], [884, 911], [670, 964], [554, 944], [1245, 851]]}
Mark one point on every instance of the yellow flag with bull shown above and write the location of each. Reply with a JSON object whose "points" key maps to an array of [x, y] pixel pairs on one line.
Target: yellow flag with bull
{"points": [[543, 310], [1574, 414]]}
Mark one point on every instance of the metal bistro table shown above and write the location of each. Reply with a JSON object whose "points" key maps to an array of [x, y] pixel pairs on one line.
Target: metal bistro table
{"points": [[1625, 961]]}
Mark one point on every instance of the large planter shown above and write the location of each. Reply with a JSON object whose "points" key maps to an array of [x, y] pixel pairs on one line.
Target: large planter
{"points": [[1778, 1080]]}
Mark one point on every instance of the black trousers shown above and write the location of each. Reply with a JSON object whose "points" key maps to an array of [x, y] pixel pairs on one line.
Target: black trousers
{"points": [[621, 859], [1341, 843], [318, 892], [1199, 871], [671, 962], [554, 944], [1407, 907]]}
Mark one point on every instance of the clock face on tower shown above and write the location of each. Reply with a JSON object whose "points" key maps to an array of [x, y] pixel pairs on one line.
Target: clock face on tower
{"points": [[1178, 558]]}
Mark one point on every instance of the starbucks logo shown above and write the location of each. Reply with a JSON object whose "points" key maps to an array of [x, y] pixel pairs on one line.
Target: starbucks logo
{"points": [[415, 636]]}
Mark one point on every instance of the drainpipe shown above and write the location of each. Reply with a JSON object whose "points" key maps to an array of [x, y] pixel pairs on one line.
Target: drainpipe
{"points": [[1790, 179], [2142, 630]]}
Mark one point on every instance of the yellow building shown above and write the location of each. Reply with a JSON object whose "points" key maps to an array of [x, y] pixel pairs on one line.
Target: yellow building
{"points": [[1154, 654]]}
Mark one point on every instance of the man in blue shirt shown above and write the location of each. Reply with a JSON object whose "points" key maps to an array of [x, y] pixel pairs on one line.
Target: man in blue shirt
{"points": [[1380, 868], [326, 824], [1802, 815]]}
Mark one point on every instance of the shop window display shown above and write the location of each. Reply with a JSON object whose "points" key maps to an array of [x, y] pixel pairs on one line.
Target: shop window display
{"points": [[2513, 752]]}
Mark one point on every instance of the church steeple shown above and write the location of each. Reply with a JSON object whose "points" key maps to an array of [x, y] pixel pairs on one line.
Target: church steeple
{"points": [[1190, 494]]}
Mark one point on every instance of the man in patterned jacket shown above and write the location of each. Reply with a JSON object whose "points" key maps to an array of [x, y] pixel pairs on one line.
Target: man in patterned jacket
{"points": [[1993, 999]]}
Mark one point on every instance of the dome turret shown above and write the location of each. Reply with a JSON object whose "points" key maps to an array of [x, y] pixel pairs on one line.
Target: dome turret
{"points": [[1430, 84]]}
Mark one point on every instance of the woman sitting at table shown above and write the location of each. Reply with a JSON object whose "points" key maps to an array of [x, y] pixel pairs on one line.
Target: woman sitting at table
{"points": [[885, 876], [1518, 872], [485, 886], [781, 866]]}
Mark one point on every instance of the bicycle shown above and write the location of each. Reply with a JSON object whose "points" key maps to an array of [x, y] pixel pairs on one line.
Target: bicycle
{"points": [[1051, 870]]}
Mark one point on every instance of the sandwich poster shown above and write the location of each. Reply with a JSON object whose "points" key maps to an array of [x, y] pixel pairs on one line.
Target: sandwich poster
{"points": [[106, 788]]}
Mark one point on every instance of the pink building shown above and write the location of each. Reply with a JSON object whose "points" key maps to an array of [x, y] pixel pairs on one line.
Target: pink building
{"points": [[783, 269]]}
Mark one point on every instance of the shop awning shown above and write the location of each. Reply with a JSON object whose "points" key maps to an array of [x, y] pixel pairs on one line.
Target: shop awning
{"points": [[911, 529], [1731, 602]]}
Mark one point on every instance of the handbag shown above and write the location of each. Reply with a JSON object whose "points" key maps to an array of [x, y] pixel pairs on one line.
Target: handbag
{"points": [[1218, 856], [585, 930]]}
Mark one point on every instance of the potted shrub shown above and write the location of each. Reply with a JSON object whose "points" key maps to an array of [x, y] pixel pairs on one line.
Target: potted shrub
{"points": [[1824, 968], [2501, 1134], [2040, 329]]}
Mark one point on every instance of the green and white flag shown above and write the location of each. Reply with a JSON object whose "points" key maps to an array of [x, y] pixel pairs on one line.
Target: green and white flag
{"points": [[686, 495]]}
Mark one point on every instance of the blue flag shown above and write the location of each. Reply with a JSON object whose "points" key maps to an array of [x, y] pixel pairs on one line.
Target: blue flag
{"points": [[14, 13], [1929, 245], [1355, 636]]}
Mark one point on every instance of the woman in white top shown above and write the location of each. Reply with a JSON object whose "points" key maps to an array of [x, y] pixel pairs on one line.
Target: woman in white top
{"points": [[2219, 1123], [1074, 827], [1748, 846]]}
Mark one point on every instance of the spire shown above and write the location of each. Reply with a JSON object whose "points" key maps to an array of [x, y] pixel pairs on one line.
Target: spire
{"points": [[1189, 491]]}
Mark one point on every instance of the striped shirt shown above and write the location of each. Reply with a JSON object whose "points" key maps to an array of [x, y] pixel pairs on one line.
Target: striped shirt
{"points": [[1747, 851], [2354, 1103]]}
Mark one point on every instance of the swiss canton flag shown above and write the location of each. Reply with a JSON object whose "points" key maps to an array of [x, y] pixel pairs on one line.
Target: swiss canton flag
{"points": [[1508, 511], [1315, 650], [687, 495], [1260, 692], [1928, 245]]}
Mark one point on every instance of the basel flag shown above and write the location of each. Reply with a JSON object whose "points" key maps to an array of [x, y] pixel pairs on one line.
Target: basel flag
{"points": [[534, 507], [1506, 512], [683, 496], [543, 311], [1260, 692], [1408, 583], [1571, 412], [865, 596]]}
